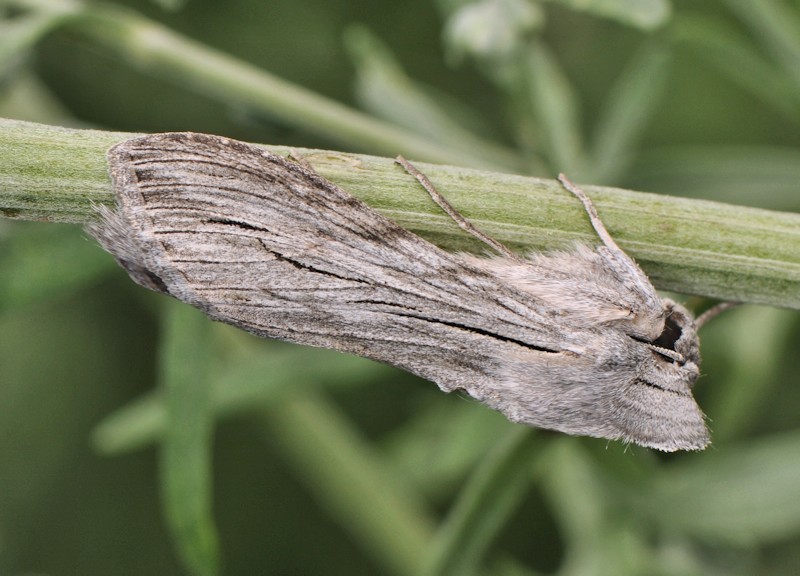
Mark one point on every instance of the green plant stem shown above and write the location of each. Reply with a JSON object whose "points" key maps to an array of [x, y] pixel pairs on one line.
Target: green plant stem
{"points": [[159, 51], [689, 246]]}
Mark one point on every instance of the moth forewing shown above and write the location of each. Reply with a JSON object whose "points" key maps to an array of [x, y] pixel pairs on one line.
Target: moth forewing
{"points": [[567, 341]]}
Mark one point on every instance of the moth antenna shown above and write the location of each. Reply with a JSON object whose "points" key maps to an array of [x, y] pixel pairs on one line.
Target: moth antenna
{"points": [[462, 222], [713, 312], [594, 217], [626, 262]]}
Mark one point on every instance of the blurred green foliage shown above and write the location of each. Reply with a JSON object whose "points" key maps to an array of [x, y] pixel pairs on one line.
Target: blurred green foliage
{"points": [[137, 438]]}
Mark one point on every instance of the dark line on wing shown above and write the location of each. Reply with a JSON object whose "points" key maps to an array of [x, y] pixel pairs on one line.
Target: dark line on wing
{"points": [[481, 331], [237, 224], [301, 266], [205, 160], [657, 387], [325, 193]]}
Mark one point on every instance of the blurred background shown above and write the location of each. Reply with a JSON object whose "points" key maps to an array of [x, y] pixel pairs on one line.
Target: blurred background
{"points": [[277, 459]]}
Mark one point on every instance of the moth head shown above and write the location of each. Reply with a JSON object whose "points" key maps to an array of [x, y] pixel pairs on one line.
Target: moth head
{"points": [[657, 408], [678, 341], [670, 362]]}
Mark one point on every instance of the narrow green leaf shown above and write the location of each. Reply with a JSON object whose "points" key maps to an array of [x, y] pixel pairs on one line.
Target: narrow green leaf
{"points": [[351, 481], [38, 263], [629, 105], [186, 469], [19, 35], [384, 89], [734, 55], [442, 443], [26, 96], [743, 497], [556, 109], [171, 5], [582, 502], [491, 31], [777, 26], [137, 424], [483, 507], [159, 51], [572, 484], [644, 14], [256, 376], [763, 176], [752, 341]]}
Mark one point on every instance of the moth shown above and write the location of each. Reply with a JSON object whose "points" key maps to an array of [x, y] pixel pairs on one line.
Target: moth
{"points": [[576, 341]]}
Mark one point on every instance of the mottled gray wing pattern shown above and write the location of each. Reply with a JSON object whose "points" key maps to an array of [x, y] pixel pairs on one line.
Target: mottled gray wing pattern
{"points": [[256, 240]]}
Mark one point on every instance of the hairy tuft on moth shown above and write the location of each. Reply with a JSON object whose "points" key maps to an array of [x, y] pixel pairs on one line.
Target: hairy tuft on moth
{"points": [[574, 341]]}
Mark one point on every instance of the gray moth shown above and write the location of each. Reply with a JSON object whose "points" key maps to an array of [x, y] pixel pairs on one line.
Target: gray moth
{"points": [[576, 341]]}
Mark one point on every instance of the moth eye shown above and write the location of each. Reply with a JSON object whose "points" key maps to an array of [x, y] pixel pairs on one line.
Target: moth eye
{"points": [[664, 346], [670, 335]]}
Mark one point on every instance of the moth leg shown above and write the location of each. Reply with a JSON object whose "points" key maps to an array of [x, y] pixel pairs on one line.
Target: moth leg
{"points": [[462, 222], [597, 224]]}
